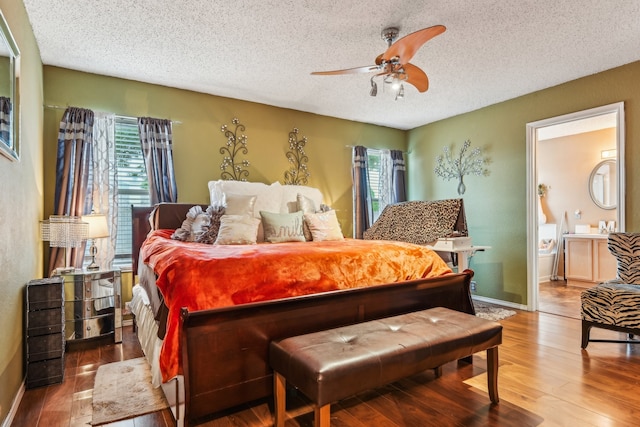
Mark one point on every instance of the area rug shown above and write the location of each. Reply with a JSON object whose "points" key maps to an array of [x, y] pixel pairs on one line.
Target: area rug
{"points": [[123, 390], [491, 312]]}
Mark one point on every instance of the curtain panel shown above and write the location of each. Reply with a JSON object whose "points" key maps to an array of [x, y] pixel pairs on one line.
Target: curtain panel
{"points": [[362, 207], [73, 193], [105, 184], [398, 177], [157, 149]]}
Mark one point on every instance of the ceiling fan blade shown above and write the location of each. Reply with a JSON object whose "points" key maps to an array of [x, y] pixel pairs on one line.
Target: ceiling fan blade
{"points": [[408, 45], [416, 77], [357, 70]]}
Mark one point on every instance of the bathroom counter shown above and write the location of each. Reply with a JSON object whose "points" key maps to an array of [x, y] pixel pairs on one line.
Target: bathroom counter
{"points": [[585, 236]]}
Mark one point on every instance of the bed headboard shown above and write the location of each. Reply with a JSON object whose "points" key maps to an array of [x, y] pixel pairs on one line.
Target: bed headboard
{"points": [[160, 216]]}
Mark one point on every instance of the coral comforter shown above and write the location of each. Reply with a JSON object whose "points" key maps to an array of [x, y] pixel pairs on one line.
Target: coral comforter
{"points": [[200, 276]]}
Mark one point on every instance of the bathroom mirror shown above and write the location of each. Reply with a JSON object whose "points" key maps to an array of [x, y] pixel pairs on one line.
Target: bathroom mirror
{"points": [[9, 93], [602, 184]]}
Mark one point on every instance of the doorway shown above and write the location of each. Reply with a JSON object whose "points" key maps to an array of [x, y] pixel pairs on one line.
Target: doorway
{"points": [[539, 131]]}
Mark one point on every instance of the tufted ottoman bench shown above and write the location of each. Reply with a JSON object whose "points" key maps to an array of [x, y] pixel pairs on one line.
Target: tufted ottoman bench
{"points": [[330, 365]]}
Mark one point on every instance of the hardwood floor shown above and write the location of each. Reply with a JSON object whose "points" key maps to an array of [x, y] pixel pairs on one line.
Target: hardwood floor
{"points": [[544, 379], [556, 297], [70, 403]]}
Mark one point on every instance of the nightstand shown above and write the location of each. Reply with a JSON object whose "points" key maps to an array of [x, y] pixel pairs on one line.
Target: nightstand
{"points": [[44, 332], [92, 304]]}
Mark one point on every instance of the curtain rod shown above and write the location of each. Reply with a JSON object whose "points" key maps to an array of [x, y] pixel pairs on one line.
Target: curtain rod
{"points": [[353, 146], [59, 107]]}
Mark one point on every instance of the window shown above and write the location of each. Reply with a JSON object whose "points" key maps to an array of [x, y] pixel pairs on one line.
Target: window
{"points": [[379, 179], [133, 187]]}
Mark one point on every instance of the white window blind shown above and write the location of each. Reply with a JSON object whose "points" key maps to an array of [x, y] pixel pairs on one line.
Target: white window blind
{"points": [[133, 187]]}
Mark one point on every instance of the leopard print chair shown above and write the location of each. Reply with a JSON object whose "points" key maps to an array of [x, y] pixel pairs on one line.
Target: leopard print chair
{"points": [[615, 304]]}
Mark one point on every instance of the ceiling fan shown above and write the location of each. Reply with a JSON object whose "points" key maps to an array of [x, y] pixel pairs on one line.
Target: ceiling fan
{"points": [[393, 65]]}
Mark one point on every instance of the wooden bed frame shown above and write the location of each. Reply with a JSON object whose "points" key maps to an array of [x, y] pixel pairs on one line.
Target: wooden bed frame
{"points": [[225, 350]]}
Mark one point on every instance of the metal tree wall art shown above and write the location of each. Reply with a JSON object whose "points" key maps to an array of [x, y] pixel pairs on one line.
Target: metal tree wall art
{"points": [[466, 163], [298, 173], [235, 146]]}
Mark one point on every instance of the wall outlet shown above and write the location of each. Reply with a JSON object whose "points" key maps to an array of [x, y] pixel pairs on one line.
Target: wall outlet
{"points": [[473, 286]]}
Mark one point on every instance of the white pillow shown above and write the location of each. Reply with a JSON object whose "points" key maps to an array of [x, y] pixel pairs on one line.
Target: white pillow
{"points": [[306, 205], [239, 204], [237, 230], [290, 197], [324, 226], [268, 197]]}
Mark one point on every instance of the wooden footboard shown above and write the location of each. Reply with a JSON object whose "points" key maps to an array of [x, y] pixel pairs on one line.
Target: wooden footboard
{"points": [[225, 351]]}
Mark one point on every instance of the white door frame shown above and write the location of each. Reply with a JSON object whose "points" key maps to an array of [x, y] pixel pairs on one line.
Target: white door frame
{"points": [[532, 185]]}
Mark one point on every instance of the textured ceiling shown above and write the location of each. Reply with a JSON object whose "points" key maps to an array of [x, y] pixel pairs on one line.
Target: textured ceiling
{"points": [[264, 50]]}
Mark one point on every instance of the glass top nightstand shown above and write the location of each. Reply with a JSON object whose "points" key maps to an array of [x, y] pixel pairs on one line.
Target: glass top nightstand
{"points": [[92, 304]]}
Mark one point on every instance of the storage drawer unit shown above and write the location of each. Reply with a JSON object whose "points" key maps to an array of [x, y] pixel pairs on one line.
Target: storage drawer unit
{"points": [[44, 332], [92, 304]]}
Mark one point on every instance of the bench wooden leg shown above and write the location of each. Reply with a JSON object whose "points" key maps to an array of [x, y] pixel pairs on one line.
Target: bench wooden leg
{"points": [[322, 416], [438, 371], [492, 373], [280, 396]]}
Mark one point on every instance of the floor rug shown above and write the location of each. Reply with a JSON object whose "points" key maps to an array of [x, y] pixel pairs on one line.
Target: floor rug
{"points": [[123, 390], [491, 312]]}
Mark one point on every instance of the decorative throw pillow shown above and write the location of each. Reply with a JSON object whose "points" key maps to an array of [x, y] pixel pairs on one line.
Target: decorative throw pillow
{"points": [[306, 205], [184, 233], [324, 226], [237, 230], [239, 204], [199, 226], [210, 234], [282, 227]]}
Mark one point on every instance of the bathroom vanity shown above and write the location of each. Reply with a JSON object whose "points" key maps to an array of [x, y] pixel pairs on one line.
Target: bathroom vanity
{"points": [[588, 260]]}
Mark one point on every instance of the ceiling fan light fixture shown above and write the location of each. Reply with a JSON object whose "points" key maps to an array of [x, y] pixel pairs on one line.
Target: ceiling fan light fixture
{"points": [[393, 65], [374, 88], [395, 83], [400, 93]]}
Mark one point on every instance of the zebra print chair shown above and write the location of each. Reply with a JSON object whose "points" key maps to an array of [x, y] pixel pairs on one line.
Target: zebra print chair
{"points": [[615, 304]]}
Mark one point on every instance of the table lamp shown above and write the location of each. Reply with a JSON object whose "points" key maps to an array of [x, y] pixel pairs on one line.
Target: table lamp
{"points": [[98, 229]]}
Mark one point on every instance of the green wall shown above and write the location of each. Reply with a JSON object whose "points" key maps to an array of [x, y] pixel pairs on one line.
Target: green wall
{"points": [[496, 205], [197, 138], [20, 208]]}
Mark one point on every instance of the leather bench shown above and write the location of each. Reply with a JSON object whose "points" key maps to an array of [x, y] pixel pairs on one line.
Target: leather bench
{"points": [[331, 365]]}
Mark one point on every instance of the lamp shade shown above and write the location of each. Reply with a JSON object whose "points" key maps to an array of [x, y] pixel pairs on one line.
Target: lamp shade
{"points": [[64, 231], [97, 226]]}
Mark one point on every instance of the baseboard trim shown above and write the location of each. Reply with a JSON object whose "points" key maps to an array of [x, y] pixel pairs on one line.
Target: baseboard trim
{"points": [[14, 406], [499, 302]]}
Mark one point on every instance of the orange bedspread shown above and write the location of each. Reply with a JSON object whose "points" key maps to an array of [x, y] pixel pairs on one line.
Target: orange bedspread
{"points": [[200, 276]]}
